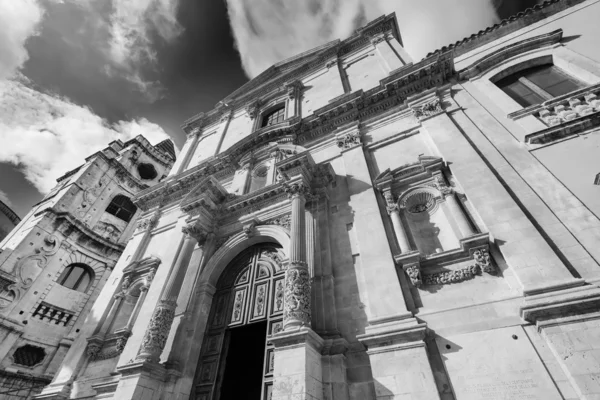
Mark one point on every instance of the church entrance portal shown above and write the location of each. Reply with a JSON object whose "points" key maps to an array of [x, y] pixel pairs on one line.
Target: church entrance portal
{"points": [[236, 360]]}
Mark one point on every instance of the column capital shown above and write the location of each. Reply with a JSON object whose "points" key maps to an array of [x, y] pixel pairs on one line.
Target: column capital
{"points": [[196, 232], [348, 140], [428, 108], [297, 190], [252, 109]]}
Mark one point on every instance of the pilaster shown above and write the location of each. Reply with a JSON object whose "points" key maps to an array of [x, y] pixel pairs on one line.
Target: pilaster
{"points": [[490, 198], [383, 297], [298, 370]]}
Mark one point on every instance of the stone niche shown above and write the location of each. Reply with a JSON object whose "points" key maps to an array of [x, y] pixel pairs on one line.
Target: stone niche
{"points": [[499, 364]]}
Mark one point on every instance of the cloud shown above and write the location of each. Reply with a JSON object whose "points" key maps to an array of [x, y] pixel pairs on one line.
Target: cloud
{"points": [[4, 198], [18, 21], [46, 135], [132, 25], [270, 31]]}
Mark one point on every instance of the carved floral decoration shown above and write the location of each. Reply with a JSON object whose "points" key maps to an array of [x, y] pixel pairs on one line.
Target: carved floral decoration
{"points": [[429, 109], [157, 333], [297, 296]]}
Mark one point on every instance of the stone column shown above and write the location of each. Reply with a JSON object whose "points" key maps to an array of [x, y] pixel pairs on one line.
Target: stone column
{"points": [[136, 308], [394, 212], [294, 91], [158, 331], [296, 311], [464, 226]]}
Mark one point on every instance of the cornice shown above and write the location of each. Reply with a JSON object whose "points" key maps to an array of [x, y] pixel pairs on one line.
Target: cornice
{"points": [[512, 24], [75, 224], [268, 81], [392, 91], [506, 52]]}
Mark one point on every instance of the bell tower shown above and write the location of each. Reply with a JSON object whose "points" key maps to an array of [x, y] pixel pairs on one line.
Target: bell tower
{"points": [[55, 262]]}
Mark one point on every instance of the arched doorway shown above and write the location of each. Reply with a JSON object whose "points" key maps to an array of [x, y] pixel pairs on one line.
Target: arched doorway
{"points": [[236, 360]]}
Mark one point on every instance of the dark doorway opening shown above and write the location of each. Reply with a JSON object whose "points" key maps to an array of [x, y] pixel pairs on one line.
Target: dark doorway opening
{"points": [[244, 369]]}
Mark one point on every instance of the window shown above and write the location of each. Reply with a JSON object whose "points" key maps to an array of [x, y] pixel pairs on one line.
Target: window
{"points": [[147, 171], [122, 208], [274, 116], [29, 355], [77, 277], [537, 84]]}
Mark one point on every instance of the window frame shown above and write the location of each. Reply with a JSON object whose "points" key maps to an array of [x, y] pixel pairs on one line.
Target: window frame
{"points": [[119, 208], [524, 77], [279, 107], [66, 273]]}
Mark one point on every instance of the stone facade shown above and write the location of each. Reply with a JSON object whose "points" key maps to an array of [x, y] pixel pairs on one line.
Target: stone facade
{"points": [[54, 264], [8, 220], [407, 230]]}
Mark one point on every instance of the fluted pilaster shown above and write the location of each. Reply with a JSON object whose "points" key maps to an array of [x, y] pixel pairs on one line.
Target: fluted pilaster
{"points": [[394, 212]]}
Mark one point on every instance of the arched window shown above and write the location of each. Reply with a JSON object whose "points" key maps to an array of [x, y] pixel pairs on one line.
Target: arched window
{"points": [[77, 277], [122, 208], [274, 116], [535, 85]]}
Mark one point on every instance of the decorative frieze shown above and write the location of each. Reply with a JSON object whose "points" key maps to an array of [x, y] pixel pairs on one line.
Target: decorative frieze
{"points": [[284, 221], [428, 109], [482, 264]]}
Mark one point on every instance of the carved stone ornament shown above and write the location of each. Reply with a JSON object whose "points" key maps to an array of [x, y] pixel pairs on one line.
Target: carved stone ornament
{"points": [[297, 189], [126, 283], [157, 333], [252, 109], [121, 342], [150, 276], [249, 229], [377, 39], [413, 273], [348, 140], [93, 350], [428, 109], [196, 232], [297, 297], [446, 277], [284, 221], [484, 261], [147, 223], [442, 186]]}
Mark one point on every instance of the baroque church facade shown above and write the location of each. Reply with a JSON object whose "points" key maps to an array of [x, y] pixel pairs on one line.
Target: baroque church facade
{"points": [[351, 224]]}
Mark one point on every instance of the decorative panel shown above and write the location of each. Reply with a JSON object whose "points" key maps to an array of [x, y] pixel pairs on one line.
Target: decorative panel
{"points": [[208, 371], [261, 295], [277, 306], [268, 394], [275, 327], [220, 307], [262, 271], [213, 344], [243, 277], [239, 302], [270, 362]]}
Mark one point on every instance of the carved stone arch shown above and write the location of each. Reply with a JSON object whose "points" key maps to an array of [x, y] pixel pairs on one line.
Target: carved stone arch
{"points": [[238, 243]]}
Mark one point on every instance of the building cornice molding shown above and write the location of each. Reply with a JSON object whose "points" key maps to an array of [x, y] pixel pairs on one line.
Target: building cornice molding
{"points": [[393, 91], [73, 224]]}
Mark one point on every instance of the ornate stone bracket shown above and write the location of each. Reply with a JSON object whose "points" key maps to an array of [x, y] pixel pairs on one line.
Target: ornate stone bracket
{"points": [[148, 223], [294, 89], [252, 109], [413, 271]]}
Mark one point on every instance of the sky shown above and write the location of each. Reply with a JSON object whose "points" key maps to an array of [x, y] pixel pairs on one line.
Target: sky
{"points": [[77, 74]]}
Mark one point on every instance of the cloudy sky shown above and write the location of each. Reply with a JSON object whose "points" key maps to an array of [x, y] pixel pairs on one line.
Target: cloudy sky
{"points": [[76, 74]]}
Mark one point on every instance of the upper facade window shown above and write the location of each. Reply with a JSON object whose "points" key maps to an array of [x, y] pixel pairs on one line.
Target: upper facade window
{"points": [[274, 116], [537, 84], [76, 277], [147, 171], [122, 208]]}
